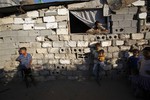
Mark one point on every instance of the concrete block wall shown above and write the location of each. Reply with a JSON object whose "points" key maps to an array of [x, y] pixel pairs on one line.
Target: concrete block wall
{"points": [[56, 52]]}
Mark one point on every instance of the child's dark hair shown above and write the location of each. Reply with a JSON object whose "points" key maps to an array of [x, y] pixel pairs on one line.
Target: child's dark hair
{"points": [[97, 44], [23, 48], [135, 50], [101, 51]]}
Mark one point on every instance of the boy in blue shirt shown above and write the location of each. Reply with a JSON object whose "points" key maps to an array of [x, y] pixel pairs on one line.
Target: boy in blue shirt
{"points": [[25, 60]]}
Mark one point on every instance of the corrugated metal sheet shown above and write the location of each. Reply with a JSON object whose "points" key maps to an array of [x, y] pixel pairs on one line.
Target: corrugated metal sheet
{"points": [[7, 3]]}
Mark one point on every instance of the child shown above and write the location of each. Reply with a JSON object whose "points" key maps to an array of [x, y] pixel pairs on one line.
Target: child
{"points": [[142, 82], [25, 60], [100, 64], [133, 62]]}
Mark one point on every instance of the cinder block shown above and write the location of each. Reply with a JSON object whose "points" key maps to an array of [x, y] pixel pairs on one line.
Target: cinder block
{"points": [[82, 44], [29, 21], [125, 23], [89, 38], [64, 61], [101, 37], [139, 3], [40, 38], [53, 37], [77, 37], [19, 21], [115, 24], [53, 61], [35, 44], [130, 42], [117, 17], [61, 18], [40, 26], [64, 37], [115, 54], [113, 49], [108, 55], [122, 11], [51, 12], [71, 56], [124, 48], [53, 50], [63, 50], [118, 30], [62, 31], [39, 20], [137, 36], [17, 27], [24, 45], [112, 36], [70, 44], [106, 43], [63, 11], [87, 50], [6, 20], [47, 32], [38, 56], [60, 56], [41, 50], [49, 56], [147, 35], [33, 14], [51, 25], [5, 27], [34, 32], [133, 10], [134, 23], [77, 50], [62, 25], [131, 30], [46, 44], [119, 42], [129, 16], [58, 44], [142, 15], [28, 26], [124, 36], [142, 42], [49, 19]]}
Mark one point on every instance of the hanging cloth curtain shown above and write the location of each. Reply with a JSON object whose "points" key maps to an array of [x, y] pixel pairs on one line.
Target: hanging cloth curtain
{"points": [[89, 17]]}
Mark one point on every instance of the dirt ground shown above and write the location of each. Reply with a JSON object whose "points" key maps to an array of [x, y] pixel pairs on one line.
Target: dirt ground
{"points": [[116, 89]]}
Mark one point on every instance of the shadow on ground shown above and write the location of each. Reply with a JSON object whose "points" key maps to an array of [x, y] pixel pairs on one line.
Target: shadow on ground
{"points": [[116, 89]]}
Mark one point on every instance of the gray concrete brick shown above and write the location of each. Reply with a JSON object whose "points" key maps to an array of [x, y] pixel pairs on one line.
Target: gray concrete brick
{"points": [[129, 16], [100, 37], [130, 42], [134, 23], [51, 12], [64, 37], [131, 30], [112, 36], [115, 24], [34, 33], [147, 35], [47, 32], [118, 30], [26, 39], [60, 56], [142, 42], [133, 10], [113, 49], [41, 13], [53, 38], [124, 36], [89, 37], [62, 25], [124, 48], [77, 37], [53, 50], [123, 11], [17, 27], [117, 17], [137, 36], [58, 44], [125, 23], [22, 33]]}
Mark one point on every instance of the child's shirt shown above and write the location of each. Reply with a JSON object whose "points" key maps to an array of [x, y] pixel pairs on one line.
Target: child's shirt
{"points": [[101, 58], [145, 66], [133, 62], [24, 61]]}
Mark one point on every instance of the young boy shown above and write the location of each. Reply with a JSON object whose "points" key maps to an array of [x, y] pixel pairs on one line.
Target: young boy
{"points": [[133, 62], [25, 60], [142, 82], [100, 64]]}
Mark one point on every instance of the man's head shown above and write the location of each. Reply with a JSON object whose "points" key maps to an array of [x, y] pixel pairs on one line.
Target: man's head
{"points": [[146, 52], [23, 50], [97, 46], [135, 52]]}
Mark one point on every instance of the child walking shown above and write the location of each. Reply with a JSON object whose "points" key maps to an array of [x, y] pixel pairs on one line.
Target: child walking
{"points": [[25, 60]]}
